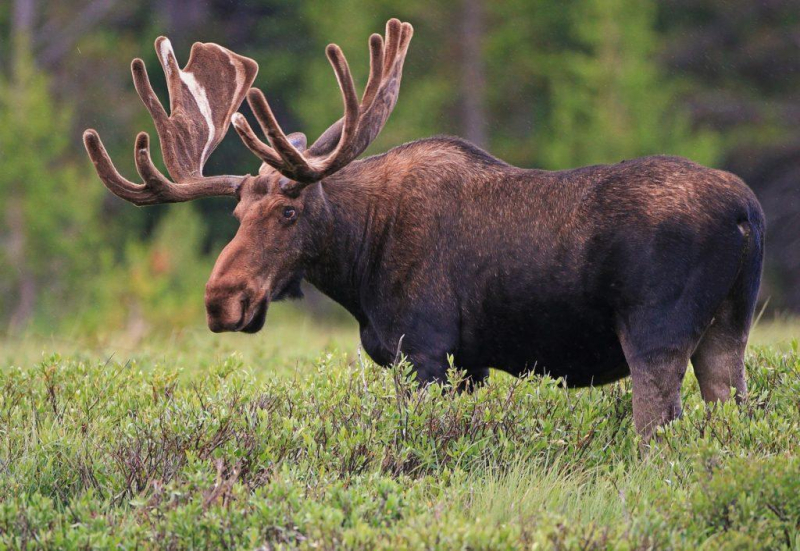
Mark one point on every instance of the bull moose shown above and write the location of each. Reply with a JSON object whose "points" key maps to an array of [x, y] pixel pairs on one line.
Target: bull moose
{"points": [[588, 274]]}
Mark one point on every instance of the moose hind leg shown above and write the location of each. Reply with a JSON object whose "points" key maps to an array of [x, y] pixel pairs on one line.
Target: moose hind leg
{"points": [[718, 361], [657, 378]]}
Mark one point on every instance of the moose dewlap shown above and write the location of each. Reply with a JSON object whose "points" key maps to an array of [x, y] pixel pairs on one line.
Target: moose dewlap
{"points": [[441, 249]]}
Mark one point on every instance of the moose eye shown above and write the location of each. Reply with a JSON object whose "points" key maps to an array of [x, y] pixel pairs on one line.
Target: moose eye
{"points": [[290, 213]]}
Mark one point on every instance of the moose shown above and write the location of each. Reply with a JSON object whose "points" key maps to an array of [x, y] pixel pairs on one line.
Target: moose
{"points": [[438, 249]]}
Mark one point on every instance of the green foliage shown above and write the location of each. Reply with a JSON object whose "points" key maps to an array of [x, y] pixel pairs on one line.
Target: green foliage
{"points": [[48, 216], [747, 502], [159, 285], [100, 454], [430, 80], [609, 100]]}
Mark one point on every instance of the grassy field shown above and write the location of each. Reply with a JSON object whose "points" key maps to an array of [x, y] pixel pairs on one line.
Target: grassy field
{"points": [[290, 439]]}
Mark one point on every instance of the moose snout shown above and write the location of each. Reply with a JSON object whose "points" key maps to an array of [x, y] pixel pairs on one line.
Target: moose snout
{"points": [[227, 306]]}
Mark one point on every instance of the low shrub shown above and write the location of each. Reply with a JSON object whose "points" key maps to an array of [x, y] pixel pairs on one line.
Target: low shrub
{"points": [[107, 454]]}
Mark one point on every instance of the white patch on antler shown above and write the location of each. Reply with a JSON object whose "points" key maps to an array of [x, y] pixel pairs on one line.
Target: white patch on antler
{"points": [[201, 99], [195, 89], [166, 53], [238, 121]]}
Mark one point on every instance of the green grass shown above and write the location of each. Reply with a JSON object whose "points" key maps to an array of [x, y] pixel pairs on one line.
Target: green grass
{"points": [[291, 340], [288, 439]]}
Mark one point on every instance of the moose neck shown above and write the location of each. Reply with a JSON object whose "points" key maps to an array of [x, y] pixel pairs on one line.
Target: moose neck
{"points": [[358, 211], [353, 215]]}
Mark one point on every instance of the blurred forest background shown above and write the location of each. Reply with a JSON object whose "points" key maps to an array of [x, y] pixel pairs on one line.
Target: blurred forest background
{"points": [[540, 83]]}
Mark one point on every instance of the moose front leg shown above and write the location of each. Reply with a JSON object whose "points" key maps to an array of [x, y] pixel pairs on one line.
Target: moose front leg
{"points": [[374, 347], [427, 366], [425, 340], [432, 368], [429, 338]]}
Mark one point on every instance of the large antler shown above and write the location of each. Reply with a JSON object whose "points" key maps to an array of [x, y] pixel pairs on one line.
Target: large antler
{"points": [[203, 96], [348, 137]]}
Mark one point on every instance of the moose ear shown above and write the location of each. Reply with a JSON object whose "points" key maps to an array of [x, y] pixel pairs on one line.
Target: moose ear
{"points": [[298, 140]]}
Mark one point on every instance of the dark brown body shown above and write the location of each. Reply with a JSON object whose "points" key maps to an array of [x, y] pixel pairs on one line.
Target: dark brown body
{"points": [[585, 274]]}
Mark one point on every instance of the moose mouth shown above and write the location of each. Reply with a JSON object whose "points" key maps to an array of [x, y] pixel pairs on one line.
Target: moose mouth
{"points": [[252, 320], [256, 318]]}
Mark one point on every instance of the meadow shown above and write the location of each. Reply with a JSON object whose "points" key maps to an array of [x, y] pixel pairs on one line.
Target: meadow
{"points": [[293, 439]]}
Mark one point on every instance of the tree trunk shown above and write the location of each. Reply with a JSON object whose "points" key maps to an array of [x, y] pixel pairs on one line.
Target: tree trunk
{"points": [[473, 77], [57, 41], [22, 22], [24, 16]]}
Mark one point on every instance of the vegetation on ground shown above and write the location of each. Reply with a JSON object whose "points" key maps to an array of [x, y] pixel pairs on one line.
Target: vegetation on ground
{"points": [[191, 448]]}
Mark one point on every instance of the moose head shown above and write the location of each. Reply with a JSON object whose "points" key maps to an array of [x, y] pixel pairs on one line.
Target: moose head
{"points": [[264, 261]]}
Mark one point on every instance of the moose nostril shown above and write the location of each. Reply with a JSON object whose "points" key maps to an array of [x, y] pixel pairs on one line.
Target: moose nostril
{"points": [[214, 306], [226, 308]]}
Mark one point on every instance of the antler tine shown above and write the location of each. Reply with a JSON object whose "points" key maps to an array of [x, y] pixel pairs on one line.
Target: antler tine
{"points": [[393, 31], [293, 161], [153, 178], [283, 156], [142, 84], [113, 180], [375, 114], [375, 69], [156, 188], [336, 160], [405, 40], [259, 148], [349, 136], [328, 140], [172, 71], [287, 159]]}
